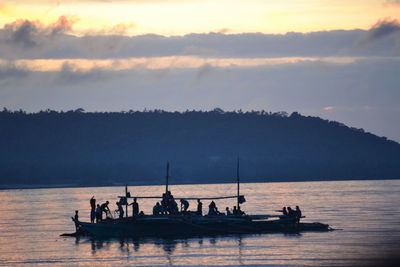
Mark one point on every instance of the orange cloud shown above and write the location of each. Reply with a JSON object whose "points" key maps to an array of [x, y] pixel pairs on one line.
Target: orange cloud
{"points": [[117, 29], [63, 24]]}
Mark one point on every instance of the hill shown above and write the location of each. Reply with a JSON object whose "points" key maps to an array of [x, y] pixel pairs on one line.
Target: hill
{"points": [[83, 149]]}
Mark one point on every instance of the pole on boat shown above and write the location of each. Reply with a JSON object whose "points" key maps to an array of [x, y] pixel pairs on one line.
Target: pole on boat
{"points": [[238, 183], [126, 200], [167, 178]]}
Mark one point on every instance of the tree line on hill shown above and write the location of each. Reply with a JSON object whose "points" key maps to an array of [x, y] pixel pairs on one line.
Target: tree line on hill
{"points": [[79, 148]]}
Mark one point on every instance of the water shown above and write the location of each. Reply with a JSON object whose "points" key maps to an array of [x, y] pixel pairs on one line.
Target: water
{"points": [[367, 211]]}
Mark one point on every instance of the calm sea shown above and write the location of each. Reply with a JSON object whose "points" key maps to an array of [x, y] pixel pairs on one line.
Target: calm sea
{"points": [[367, 212]]}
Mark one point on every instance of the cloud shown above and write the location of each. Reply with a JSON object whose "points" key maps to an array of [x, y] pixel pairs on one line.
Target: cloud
{"points": [[382, 29], [32, 39], [21, 32], [392, 2], [224, 30], [9, 70], [119, 29], [63, 25], [30, 33]]}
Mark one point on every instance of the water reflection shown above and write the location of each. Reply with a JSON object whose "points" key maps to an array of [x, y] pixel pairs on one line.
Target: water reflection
{"points": [[99, 244], [367, 211], [167, 245], [168, 249]]}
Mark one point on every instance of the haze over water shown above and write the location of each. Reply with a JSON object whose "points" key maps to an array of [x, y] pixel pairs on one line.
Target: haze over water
{"points": [[368, 212]]}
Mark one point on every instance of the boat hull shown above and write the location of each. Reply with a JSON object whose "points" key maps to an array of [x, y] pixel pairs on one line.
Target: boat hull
{"points": [[202, 226]]}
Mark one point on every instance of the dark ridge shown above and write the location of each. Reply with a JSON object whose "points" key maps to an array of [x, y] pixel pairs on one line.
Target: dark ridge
{"points": [[78, 148]]}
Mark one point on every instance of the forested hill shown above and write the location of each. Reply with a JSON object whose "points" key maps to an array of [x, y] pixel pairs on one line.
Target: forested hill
{"points": [[78, 149]]}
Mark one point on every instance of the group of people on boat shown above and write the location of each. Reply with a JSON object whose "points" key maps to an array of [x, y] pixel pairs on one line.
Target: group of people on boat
{"points": [[169, 205], [213, 210], [97, 210], [289, 212]]}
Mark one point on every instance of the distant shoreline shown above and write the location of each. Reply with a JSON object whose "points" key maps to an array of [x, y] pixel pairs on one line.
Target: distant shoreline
{"points": [[26, 187]]}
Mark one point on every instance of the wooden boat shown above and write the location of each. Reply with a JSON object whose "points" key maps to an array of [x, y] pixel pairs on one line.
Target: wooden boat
{"points": [[185, 226], [191, 224]]}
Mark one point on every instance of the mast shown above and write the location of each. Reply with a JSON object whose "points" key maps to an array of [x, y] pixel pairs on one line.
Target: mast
{"points": [[167, 178], [238, 183], [126, 200]]}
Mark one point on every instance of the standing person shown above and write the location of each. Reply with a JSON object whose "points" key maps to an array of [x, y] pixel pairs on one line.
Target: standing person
{"points": [[135, 207], [76, 220], [120, 210], [92, 209], [212, 208], [98, 213], [291, 212], [199, 207], [298, 214]]}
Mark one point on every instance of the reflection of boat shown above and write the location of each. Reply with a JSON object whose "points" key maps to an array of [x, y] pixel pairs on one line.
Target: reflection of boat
{"points": [[192, 224]]}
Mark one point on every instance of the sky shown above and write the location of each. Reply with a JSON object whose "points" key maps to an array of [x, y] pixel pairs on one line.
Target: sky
{"points": [[339, 60]]}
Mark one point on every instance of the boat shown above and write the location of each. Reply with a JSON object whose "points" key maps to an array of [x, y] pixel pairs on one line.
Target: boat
{"points": [[188, 224]]}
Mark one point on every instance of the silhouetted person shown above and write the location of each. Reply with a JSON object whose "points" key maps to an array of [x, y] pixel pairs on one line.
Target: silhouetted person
{"points": [[199, 207], [228, 212], [217, 211], [171, 203], [283, 210], [93, 203], [76, 217], [104, 208], [234, 211], [157, 209], [98, 213], [239, 211], [164, 203], [184, 205], [298, 214], [92, 209], [291, 212], [120, 210], [173, 206], [212, 208], [169, 198], [135, 207]]}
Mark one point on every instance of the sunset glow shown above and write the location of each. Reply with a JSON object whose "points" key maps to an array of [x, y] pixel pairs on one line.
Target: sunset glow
{"points": [[176, 62], [177, 17]]}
